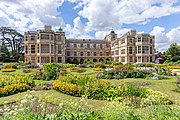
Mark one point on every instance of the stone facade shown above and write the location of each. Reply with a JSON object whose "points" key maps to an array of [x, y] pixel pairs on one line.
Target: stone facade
{"points": [[47, 46]]}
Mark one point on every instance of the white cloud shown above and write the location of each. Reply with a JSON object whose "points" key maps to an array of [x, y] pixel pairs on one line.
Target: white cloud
{"points": [[29, 14], [105, 14], [76, 31], [165, 39]]}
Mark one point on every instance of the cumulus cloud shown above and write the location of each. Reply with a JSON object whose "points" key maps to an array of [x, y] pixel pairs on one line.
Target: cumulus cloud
{"points": [[165, 39], [76, 31], [30, 15], [113, 13]]}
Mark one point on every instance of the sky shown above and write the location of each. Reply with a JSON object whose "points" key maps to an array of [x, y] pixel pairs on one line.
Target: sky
{"points": [[96, 18]]}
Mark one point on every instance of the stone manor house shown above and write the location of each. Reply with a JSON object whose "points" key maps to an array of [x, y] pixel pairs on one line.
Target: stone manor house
{"points": [[47, 46]]}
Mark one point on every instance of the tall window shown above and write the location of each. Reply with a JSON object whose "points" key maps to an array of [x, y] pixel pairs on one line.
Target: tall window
{"points": [[95, 54], [81, 45], [145, 40], [139, 49], [59, 50], [75, 45], [38, 48], [52, 49], [123, 51], [68, 53], [122, 59], [101, 54], [151, 40], [45, 36], [139, 39], [32, 38], [44, 48], [59, 59], [88, 53], [33, 48], [52, 59], [139, 59], [150, 50], [123, 41], [130, 40], [101, 46], [117, 52], [75, 53], [94, 45], [130, 50], [81, 54], [45, 60], [33, 59], [107, 53], [52, 37], [68, 44], [145, 49], [26, 49], [88, 45]]}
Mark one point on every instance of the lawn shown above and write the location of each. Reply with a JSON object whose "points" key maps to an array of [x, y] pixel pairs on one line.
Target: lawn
{"points": [[167, 86]]}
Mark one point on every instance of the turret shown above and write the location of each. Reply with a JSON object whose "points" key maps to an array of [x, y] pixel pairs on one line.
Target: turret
{"points": [[111, 37]]}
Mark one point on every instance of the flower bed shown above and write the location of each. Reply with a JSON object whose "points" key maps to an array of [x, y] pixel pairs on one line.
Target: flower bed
{"points": [[97, 69], [79, 70], [173, 67], [8, 70]]}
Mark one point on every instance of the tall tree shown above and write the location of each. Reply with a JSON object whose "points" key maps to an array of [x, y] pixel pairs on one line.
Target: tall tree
{"points": [[173, 53], [13, 41]]}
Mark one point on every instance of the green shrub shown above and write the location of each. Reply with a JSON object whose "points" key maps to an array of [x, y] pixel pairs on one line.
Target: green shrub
{"points": [[16, 79], [13, 88], [51, 71], [76, 79], [101, 90], [11, 65]]}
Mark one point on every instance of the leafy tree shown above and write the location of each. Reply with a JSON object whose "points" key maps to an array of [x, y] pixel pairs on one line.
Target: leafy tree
{"points": [[11, 42], [173, 53]]}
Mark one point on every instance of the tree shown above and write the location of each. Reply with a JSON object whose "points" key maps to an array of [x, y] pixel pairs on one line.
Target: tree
{"points": [[12, 41], [173, 53]]}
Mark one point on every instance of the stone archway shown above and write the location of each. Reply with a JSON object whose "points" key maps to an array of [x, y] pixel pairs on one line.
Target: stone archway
{"points": [[75, 61], [101, 60], [81, 60], [95, 60], [68, 60]]}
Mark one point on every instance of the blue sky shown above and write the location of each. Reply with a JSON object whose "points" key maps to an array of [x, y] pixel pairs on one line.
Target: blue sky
{"points": [[96, 18]]}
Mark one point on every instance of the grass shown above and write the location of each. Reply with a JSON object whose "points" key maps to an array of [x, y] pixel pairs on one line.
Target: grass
{"points": [[167, 86]]}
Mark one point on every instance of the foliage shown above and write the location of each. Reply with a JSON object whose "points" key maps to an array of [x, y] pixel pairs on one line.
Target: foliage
{"points": [[123, 73], [100, 65], [173, 53], [67, 88], [76, 79], [144, 65], [13, 88], [8, 70], [11, 65], [155, 98], [50, 71], [101, 90], [32, 108], [12, 42], [16, 79]]}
